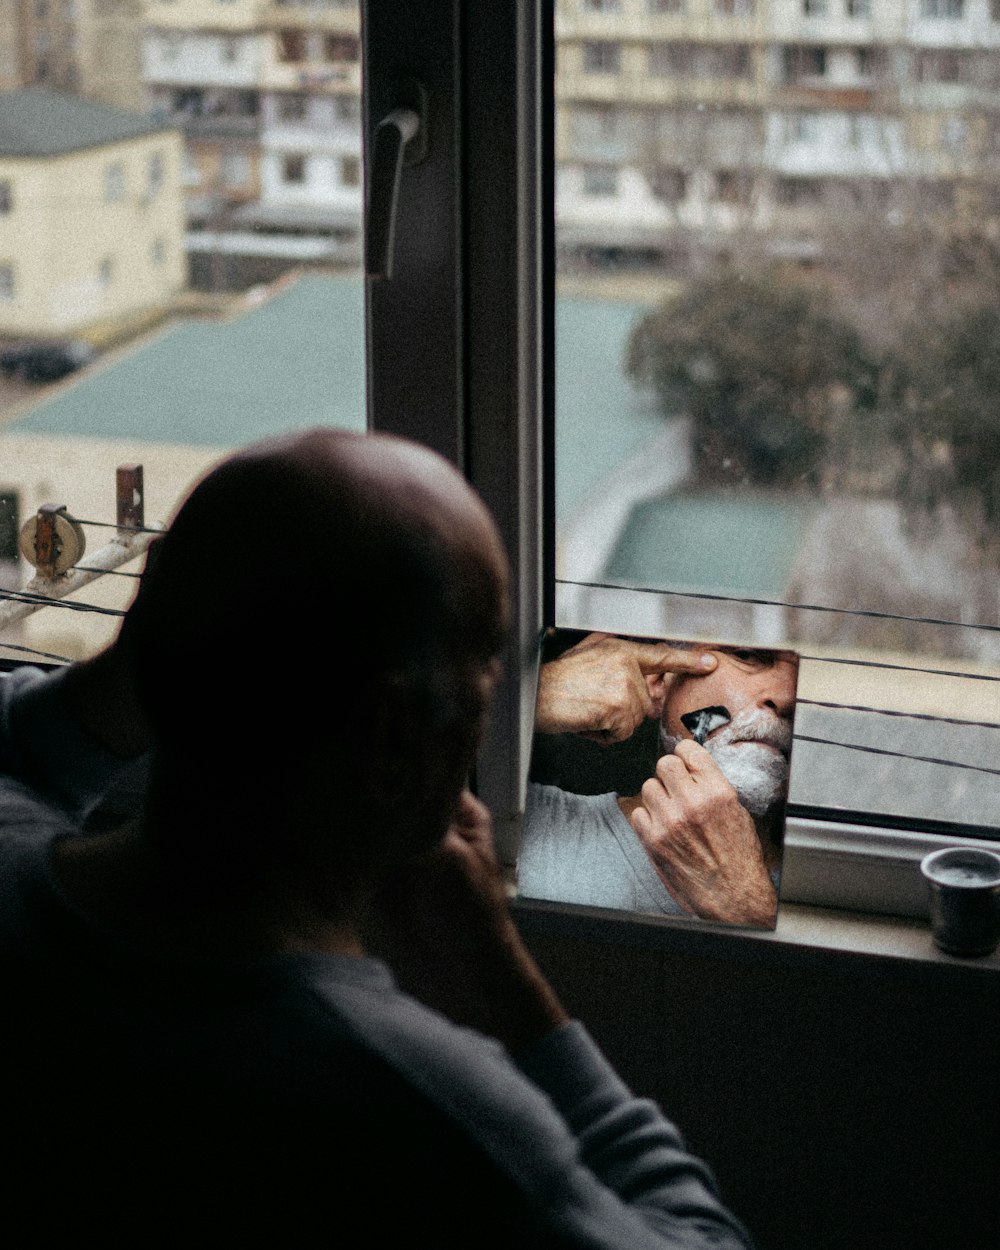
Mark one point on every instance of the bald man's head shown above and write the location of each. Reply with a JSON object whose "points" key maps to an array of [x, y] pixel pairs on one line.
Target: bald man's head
{"points": [[299, 577]]}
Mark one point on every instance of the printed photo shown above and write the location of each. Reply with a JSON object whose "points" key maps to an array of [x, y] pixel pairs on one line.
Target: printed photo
{"points": [[659, 777]]}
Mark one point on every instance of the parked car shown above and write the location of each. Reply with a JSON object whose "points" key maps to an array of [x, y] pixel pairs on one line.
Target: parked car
{"points": [[45, 362]]}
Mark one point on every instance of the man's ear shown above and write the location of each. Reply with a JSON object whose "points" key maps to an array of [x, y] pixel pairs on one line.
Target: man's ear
{"points": [[658, 684]]}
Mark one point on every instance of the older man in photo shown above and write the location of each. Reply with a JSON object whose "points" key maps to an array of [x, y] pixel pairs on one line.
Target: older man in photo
{"points": [[702, 837]]}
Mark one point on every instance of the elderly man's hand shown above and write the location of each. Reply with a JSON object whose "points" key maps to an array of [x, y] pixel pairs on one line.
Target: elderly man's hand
{"points": [[605, 687], [703, 842], [444, 926]]}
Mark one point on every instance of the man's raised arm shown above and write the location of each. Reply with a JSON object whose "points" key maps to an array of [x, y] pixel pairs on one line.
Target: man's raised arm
{"points": [[605, 687]]}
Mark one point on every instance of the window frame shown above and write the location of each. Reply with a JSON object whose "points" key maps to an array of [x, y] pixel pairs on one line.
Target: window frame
{"points": [[483, 259]]}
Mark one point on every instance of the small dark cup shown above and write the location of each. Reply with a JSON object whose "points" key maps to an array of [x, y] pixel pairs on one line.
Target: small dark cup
{"points": [[964, 889]]}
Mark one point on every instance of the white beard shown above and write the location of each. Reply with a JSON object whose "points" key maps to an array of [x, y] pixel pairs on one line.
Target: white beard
{"points": [[758, 774]]}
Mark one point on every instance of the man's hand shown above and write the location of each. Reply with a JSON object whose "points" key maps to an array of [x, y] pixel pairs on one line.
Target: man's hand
{"points": [[605, 687], [703, 842], [445, 928]]}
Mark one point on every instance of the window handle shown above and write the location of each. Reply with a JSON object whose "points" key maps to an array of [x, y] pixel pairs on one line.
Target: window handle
{"points": [[400, 139]]}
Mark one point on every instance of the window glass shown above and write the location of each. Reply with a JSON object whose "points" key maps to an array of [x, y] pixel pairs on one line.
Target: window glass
{"points": [[172, 285], [776, 368]]}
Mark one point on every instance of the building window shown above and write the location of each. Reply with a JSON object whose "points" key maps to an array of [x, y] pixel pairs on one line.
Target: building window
{"points": [[942, 8], [229, 51], [341, 48], [657, 7], [688, 60], [106, 272], [670, 60], [10, 525], [6, 196], [864, 62], [940, 65], [859, 8], [669, 185], [291, 45], [802, 63], [814, 8], [601, 56], [293, 168], [734, 186], [798, 192], [114, 182], [735, 8], [350, 171], [6, 282], [158, 253], [600, 181], [293, 107], [602, 6]]}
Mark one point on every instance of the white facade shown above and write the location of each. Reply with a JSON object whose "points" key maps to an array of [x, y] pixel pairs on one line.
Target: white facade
{"points": [[724, 114]]}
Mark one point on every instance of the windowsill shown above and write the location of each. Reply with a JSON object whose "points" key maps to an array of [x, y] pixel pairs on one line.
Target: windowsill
{"points": [[803, 933]]}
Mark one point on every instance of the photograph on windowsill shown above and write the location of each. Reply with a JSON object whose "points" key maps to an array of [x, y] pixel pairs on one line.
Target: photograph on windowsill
{"points": [[659, 777]]}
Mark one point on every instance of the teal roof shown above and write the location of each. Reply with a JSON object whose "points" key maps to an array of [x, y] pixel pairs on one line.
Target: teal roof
{"points": [[601, 418], [39, 122], [712, 542], [295, 361]]}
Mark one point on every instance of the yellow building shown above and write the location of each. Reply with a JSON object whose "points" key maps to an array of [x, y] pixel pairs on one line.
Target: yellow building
{"points": [[91, 213]]}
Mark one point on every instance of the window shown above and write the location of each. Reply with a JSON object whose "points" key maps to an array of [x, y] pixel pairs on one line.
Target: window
{"points": [[8, 288], [350, 171], [669, 185], [941, 8], [10, 525], [6, 196], [666, 6], [798, 192], [106, 271], [814, 8], [941, 65], [803, 62], [157, 253], [600, 180], [602, 6], [341, 48], [229, 51], [291, 45], [600, 56], [735, 8], [859, 8], [114, 182], [734, 186], [293, 107], [293, 168], [670, 60]]}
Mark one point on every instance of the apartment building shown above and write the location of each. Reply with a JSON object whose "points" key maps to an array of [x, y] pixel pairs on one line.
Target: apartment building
{"points": [[268, 95], [86, 47], [689, 124], [91, 218]]}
